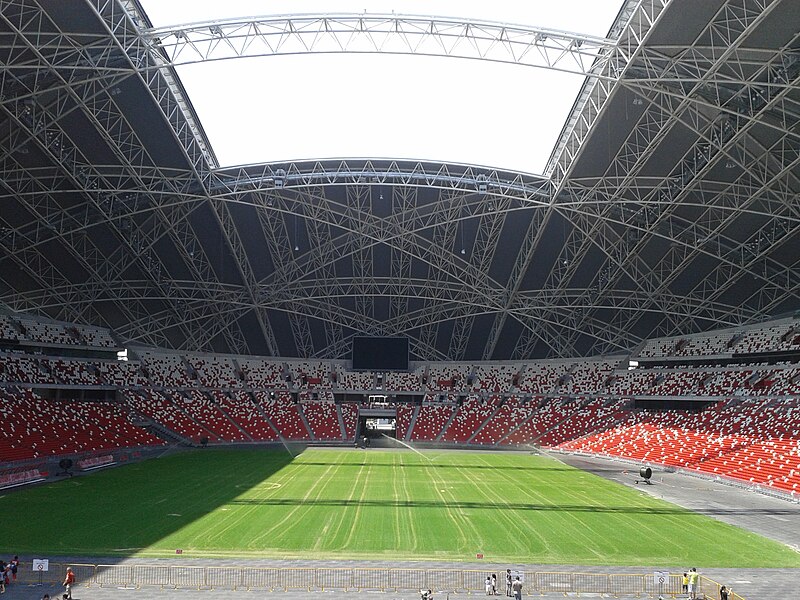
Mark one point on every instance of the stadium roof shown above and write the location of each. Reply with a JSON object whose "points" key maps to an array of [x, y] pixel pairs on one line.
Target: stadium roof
{"points": [[669, 204], [376, 85]]}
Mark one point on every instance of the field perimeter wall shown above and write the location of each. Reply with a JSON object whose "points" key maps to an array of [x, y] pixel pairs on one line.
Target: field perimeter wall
{"points": [[179, 576]]}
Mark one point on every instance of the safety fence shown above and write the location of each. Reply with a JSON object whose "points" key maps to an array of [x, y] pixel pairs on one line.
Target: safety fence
{"points": [[177, 576]]}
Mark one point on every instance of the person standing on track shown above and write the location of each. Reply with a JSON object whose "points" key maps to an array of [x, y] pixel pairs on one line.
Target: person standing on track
{"points": [[508, 582], [69, 580], [516, 587]]}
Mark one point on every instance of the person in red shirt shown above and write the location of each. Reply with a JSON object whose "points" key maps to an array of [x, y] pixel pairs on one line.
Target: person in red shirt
{"points": [[68, 581]]}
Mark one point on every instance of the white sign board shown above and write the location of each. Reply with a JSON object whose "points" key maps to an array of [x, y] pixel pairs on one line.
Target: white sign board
{"points": [[660, 578], [40, 565]]}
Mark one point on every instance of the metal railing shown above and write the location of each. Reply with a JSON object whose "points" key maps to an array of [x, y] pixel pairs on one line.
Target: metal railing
{"points": [[177, 576]]}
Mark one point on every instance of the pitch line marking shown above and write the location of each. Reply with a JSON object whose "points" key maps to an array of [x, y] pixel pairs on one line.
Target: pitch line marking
{"points": [[266, 485]]}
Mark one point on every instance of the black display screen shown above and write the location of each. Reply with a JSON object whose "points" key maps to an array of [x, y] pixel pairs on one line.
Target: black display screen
{"points": [[380, 354]]}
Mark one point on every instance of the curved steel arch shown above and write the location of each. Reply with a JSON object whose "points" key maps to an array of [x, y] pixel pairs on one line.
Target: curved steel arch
{"points": [[374, 172], [386, 34]]}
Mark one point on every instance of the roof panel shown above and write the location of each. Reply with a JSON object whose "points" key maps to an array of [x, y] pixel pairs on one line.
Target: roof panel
{"points": [[150, 238]]}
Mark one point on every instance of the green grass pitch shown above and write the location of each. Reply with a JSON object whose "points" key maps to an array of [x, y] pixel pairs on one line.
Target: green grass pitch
{"points": [[374, 504]]}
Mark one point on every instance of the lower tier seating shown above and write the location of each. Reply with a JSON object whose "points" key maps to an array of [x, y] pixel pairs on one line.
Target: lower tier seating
{"points": [[323, 419], [755, 441], [35, 427]]}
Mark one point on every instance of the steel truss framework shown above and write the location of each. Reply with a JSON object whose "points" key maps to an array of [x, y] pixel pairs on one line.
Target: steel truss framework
{"points": [[683, 219]]}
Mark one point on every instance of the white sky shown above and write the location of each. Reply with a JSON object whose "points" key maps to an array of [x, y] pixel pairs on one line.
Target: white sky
{"points": [[383, 106]]}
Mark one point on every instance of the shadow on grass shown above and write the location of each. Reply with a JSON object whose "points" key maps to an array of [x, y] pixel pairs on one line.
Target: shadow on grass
{"points": [[517, 506], [127, 509], [432, 465]]}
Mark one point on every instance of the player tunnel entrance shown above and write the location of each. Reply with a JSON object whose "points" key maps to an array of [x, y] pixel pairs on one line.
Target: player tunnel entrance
{"points": [[377, 420]]}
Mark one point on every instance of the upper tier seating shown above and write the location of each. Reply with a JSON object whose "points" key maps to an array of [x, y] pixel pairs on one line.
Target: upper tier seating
{"points": [[447, 377], [586, 377], [783, 382], [47, 333], [215, 371], [541, 378], [494, 378], [167, 370], [75, 372], [121, 373], [8, 329], [22, 369], [401, 381], [775, 337], [356, 380], [96, 337], [310, 374], [60, 334], [260, 373], [706, 382]]}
